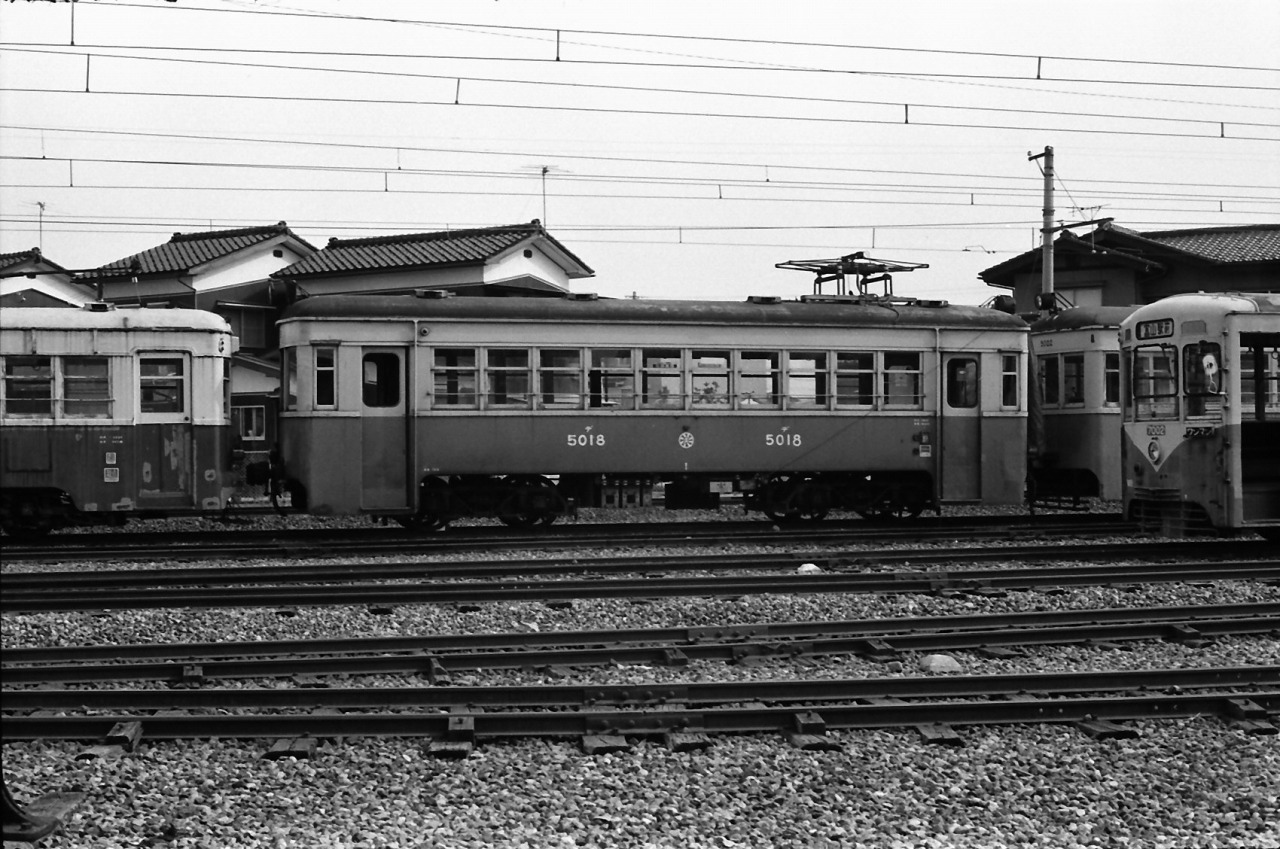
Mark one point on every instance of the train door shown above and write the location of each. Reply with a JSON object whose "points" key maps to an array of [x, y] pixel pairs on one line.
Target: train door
{"points": [[163, 453], [383, 423], [961, 434], [1259, 411]]}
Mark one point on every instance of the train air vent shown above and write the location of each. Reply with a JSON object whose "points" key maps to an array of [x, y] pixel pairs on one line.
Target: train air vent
{"points": [[582, 296], [432, 294], [98, 306], [763, 299]]}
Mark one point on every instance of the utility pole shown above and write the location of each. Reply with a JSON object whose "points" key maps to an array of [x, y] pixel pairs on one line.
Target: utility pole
{"points": [[1045, 301]]}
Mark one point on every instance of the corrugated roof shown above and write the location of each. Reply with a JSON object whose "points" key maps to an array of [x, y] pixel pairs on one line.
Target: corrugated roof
{"points": [[186, 251], [1258, 243], [418, 250]]}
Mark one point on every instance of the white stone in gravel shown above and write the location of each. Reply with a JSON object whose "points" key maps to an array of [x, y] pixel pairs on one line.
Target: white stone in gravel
{"points": [[940, 663]]}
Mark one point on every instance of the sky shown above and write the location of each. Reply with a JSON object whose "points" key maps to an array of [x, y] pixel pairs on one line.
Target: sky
{"points": [[679, 149]]}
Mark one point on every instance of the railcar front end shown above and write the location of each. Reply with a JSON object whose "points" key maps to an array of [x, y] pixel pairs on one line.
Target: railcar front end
{"points": [[1201, 448]]}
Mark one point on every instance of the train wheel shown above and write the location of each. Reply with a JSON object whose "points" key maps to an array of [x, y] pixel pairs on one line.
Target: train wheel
{"points": [[532, 500], [791, 498], [434, 499]]}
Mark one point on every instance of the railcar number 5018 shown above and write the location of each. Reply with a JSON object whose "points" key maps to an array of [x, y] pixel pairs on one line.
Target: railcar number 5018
{"points": [[585, 440], [782, 440]]}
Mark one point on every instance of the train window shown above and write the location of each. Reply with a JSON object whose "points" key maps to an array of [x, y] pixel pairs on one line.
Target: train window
{"points": [[289, 379], [663, 381], [710, 379], [612, 379], [1009, 381], [250, 423], [902, 379], [855, 378], [454, 378], [381, 379], [806, 381], [326, 378], [86, 388], [962, 382], [1073, 378], [1111, 380], [162, 384], [28, 386], [1202, 377], [560, 377], [1259, 377], [1155, 382], [1050, 386], [508, 377], [759, 379]]}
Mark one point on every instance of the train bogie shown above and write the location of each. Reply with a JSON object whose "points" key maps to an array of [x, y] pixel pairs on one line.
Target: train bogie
{"points": [[110, 414], [1202, 413], [430, 409]]}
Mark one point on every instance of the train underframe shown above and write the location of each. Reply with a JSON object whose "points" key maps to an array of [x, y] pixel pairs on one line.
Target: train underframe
{"points": [[527, 500]]}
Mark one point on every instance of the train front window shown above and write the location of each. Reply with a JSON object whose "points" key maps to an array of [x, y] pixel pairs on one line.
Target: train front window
{"points": [[28, 386], [326, 397], [162, 385], [508, 377], [1111, 380], [1010, 380], [612, 379], [711, 379], [759, 379], [560, 378], [1155, 382], [1202, 378], [1073, 379], [806, 381], [86, 388], [662, 378], [454, 379], [902, 380], [1050, 380], [855, 378]]}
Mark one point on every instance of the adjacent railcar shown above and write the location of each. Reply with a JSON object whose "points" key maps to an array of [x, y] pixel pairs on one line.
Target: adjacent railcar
{"points": [[427, 409], [107, 414], [1075, 432], [1201, 447]]}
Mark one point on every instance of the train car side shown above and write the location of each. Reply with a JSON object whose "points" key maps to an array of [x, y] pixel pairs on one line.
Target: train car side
{"points": [[1201, 444], [111, 414], [439, 407]]}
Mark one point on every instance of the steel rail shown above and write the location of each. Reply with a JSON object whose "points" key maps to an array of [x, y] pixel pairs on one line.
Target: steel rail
{"points": [[31, 600], [647, 722], [842, 561], [1081, 628]]}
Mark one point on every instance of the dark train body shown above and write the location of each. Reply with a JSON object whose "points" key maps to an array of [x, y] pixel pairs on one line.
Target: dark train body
{"points": [[426, 409], [107, 414]]}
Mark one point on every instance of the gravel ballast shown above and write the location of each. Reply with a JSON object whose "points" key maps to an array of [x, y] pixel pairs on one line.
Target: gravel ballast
{"points": [[1194, 782]]}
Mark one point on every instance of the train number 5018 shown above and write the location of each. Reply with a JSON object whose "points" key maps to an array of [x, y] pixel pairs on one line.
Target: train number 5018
{"points": [[782, 440], [585, 440]]}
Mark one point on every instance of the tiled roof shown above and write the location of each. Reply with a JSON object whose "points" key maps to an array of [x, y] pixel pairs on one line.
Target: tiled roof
{"points": [[417, 250], [1258, 243], [186, 251], [19, 257]]}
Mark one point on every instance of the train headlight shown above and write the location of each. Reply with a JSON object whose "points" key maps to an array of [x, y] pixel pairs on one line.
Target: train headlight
{"points": [[1153, 451]]}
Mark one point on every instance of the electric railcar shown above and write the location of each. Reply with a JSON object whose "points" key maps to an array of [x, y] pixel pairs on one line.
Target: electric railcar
{"points": [[107, 414], [1074, 441], [426, 409], [1201, 444]]}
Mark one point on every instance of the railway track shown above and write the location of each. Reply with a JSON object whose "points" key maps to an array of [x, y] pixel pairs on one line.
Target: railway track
{"points": [[438, 656], [296, 543]]}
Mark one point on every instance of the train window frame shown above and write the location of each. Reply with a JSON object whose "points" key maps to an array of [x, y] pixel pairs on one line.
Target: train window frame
{"points": [[1111, 379], [962, 382], [1010, 381], [82, 396], [383, 390], [1202, 379], [1073, 379], [163, 396], [506, 372], [817, 395], [288, 380], [449, 378], [250, 422], [611, 379], [759, 389], [706, 365], [560, 383], [896, 378], [1253, 408], [860, 367], [1154, 406], [324, 394], [1050, 376], [661, 371], [40, 406]]}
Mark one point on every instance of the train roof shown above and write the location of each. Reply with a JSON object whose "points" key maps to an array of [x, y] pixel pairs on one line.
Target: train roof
{"points": [[1208, 304], [755, 312], [1082, 318], [88, 318]]}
